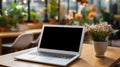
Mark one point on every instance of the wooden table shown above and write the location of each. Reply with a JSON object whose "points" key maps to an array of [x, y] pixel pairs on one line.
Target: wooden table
{"points": [[15, 34], [87, 58]]}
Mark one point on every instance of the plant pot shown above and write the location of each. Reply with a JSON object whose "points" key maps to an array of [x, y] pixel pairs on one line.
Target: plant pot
{"points": [[22, 27], [14, 29], [100, 48], [35, 21], [21, 22], [2, 29], [53, 21]]}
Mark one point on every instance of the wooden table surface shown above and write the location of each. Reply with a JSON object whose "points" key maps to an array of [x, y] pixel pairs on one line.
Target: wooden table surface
{"points": [[87, 58], [15, 34]]}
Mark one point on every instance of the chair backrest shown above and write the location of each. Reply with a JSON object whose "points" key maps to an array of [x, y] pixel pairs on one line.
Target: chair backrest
{"points": [[37, 40], [23, 41]]}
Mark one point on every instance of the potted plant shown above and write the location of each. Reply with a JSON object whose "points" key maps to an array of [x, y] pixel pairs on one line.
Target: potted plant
{"points": [[53, 11], [88, 15], [99, 34], [3, 23], [17, 13], [34, 16]]}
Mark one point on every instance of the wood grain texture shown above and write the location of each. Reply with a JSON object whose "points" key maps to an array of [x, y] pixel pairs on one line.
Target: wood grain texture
{"points": [[87, 58]]}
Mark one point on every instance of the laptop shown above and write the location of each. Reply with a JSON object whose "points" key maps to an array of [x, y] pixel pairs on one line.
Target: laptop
{"points": [[58, 45]]}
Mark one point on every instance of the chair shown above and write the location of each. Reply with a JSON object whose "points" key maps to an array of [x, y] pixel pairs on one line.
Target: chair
{"points": [[114, 39], [21, 42], [35, 42]]}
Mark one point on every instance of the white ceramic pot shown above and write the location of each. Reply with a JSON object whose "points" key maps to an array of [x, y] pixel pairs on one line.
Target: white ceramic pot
{"points": [[100, 48]]}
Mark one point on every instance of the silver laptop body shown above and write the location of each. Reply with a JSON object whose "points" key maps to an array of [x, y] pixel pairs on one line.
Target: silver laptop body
{"points": [[58, 45]]}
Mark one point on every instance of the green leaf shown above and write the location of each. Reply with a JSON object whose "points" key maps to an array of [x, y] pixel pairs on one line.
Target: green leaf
{"points": [[14, 4]]}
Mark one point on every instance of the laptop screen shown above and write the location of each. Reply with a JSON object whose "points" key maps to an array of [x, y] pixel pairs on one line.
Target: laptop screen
{"points": [[61, 38]]}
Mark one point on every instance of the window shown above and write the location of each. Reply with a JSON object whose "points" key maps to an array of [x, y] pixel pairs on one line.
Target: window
{"points": [[39, 5]]}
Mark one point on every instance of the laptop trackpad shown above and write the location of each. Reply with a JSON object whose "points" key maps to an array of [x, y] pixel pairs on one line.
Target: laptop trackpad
{"points": [[41, 58], [58, 60]]}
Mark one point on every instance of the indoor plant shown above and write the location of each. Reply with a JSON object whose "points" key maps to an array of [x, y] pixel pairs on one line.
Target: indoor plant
{"points": [[88, 15], [53, 11], [18, 13], [34, 17], [3, 23], [53, 8], [101, 31], [99, 34]]}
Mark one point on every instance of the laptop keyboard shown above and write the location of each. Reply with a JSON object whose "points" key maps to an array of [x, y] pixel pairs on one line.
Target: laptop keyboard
{"points": [[48, 54]]}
